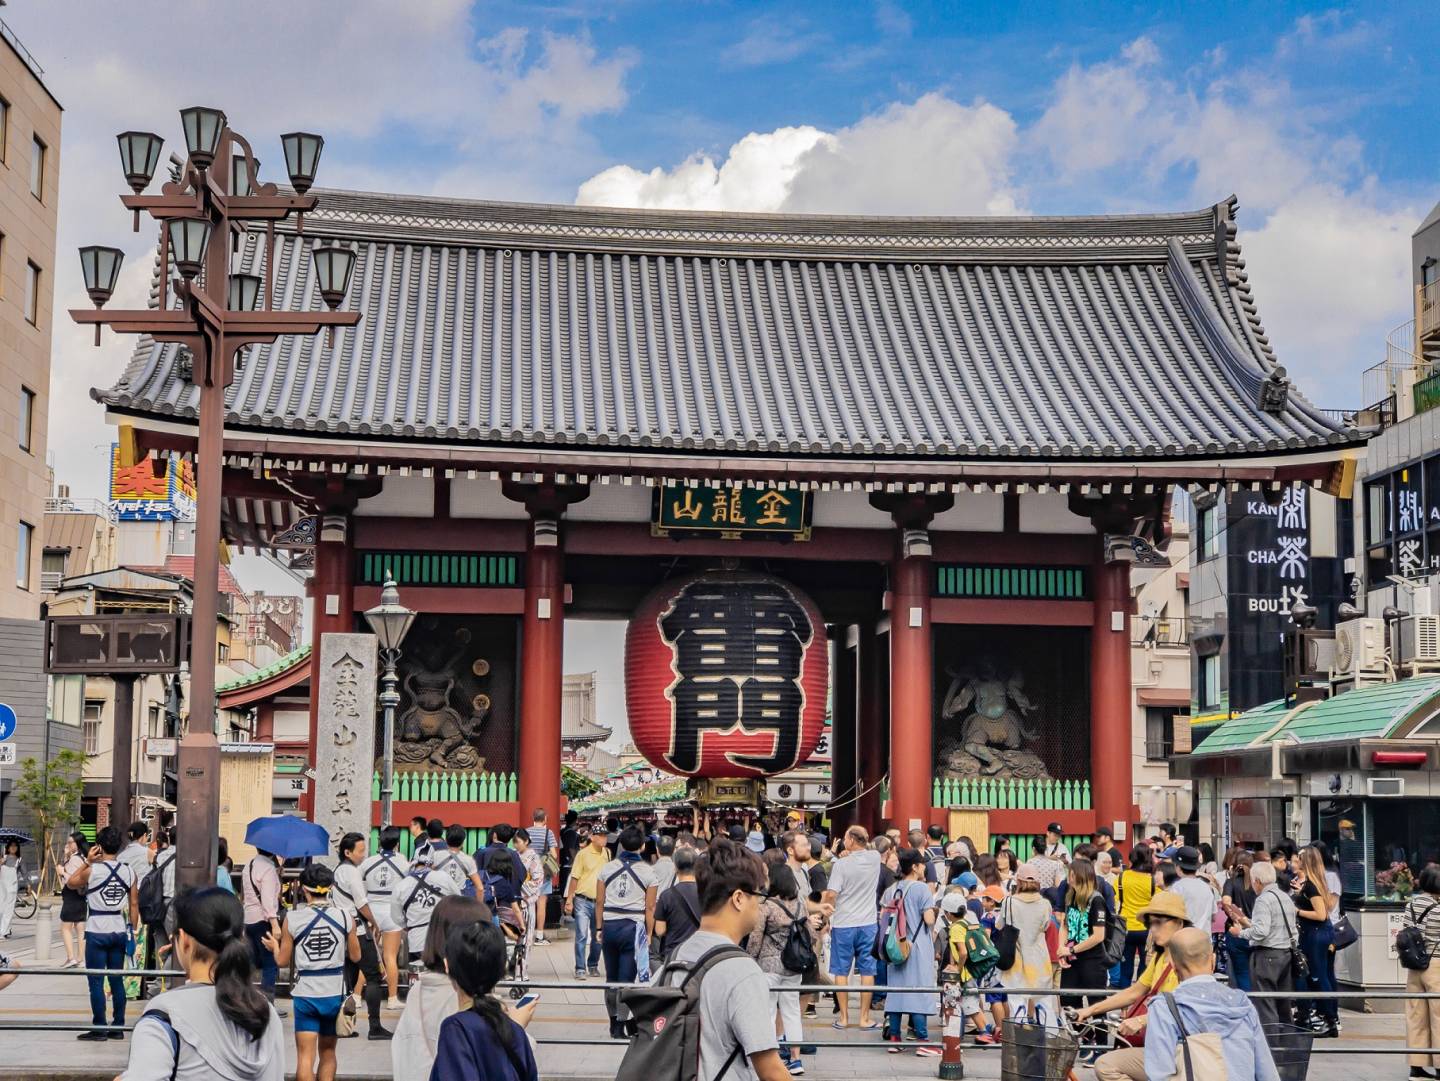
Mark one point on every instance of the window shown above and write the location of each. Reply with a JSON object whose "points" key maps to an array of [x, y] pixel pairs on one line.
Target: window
{"points": [[154, 723], [1209, 528], [4, 127], [1159, 733], [22, 555], [1429, 269], [90, 727], [32, 293], [27, 418], [1209, 681], [222, 652], [37, 167]]}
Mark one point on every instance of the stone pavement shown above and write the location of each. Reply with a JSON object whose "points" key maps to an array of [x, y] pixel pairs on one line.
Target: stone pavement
{"points": [[575, 1015]]}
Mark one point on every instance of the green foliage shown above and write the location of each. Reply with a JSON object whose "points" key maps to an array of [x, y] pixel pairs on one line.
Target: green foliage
{"points": [[51, 793]]}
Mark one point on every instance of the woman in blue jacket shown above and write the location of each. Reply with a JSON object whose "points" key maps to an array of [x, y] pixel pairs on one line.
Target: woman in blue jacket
{"points": [[480, 1043]]}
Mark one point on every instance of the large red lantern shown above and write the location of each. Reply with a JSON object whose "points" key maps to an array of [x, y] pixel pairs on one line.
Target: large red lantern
{"points": [[726, 675]]}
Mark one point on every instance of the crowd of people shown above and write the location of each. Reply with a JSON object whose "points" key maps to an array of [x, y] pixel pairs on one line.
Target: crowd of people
{"points": [[903, 928]]}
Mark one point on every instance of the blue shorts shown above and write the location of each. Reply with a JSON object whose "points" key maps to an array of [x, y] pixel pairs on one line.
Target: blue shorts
{"points": [[852, 945], [317, 1014]]}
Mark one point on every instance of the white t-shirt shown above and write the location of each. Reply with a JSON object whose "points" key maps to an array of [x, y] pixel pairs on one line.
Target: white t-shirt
{"points": [[1333, 884], [136, 857], [1199, 900], [413, 902], [320, 933], [626, 882], [456, 864], [855, 880], [381, 873], [108, 897], [349, 893], [735, 1009]]}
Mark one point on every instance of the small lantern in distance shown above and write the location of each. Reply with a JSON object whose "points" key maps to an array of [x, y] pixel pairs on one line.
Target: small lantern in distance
{"points": [[240, 176], [139, 154], [188, 240], [302, 158], [333, 266], [244, 292], [101, 267], [203, 128]]}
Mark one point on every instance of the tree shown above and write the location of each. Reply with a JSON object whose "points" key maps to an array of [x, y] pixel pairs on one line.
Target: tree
{"points": [[51, 793]]}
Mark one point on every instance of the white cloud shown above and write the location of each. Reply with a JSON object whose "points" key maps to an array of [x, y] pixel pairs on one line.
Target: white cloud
{"points": [[932, 156], [770, 40]]}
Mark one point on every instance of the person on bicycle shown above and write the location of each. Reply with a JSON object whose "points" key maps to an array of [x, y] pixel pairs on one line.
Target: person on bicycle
{"points": [[1163, 916]]}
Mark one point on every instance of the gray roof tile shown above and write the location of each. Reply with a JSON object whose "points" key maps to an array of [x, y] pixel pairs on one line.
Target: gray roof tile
{"points": [[798, 335]]}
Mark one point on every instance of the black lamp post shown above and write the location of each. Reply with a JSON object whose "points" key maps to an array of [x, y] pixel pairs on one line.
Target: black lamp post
{"points": [[390, 621]]}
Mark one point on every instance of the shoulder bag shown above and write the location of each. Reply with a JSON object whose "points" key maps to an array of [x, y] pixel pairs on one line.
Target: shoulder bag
{"points": [[1299, 967]]}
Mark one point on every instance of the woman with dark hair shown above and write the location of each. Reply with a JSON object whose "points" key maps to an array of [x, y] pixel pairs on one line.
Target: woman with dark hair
{"points": [[1137, 886], [1239, 893], [499, 875], [1005, 867], [913, 897], [480, 1041], [987, 870], [218, 1024], [224, 868], [328, 937], [779, 911], [1422, 1017], [72, 902]]}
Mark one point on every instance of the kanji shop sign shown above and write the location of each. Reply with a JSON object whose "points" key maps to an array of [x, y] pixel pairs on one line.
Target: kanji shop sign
{"points": [[726, 676], [733, 511]]}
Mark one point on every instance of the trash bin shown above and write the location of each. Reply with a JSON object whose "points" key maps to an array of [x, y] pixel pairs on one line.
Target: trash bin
{"points": [[1032, 1052], [1290, 1048]]}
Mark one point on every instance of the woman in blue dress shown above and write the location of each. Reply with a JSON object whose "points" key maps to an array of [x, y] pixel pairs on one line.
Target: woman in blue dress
{"points": [[919, 969]]}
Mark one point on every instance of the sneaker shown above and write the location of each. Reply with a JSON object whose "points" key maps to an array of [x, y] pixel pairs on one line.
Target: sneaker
{"points": [[810, 1010], [927, 1052], [392, 1004], [93, 1034], [594, 973], [579, 973], [796, 1068], [986, 1038], [378, 1033]]}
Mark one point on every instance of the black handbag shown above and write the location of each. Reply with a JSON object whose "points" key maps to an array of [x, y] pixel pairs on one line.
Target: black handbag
{"points": [[1299, 967], [1345, 933]]}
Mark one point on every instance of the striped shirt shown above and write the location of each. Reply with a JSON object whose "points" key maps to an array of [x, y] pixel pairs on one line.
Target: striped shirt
{"points": [[1423, 912], [542, 840]]}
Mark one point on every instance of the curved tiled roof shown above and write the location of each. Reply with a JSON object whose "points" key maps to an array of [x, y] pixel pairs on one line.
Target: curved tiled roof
{"points": [[499, 323], [1365, 713], [275, 668]]}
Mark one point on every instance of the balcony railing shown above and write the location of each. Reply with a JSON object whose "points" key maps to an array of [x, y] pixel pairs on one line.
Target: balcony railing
{"points": [[1427, 309], [1160, 632], [66, 505]]}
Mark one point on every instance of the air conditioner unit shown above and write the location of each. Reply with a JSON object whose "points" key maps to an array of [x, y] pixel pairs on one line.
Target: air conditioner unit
{"points": [[1359, 649], [1418, 640], [1385, 786]]}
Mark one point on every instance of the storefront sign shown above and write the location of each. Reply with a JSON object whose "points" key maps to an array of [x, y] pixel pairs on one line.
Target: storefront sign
{"points": [[733, 511], [289, 787], [727, 791], [137, 494]]}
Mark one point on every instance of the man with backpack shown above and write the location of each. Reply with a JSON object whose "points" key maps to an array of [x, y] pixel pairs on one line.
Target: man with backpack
{"points": [[156, 892], [113, 913], [677, 913], [625, 919], [709, 1016], [968, 962]]}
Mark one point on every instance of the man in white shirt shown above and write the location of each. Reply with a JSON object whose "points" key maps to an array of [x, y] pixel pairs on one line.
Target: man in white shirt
{"points": [[853, 885], [136, 854], [415, 899], [1198, 895], [381, 874], [350, 896], [113, 915], [457, 863]]}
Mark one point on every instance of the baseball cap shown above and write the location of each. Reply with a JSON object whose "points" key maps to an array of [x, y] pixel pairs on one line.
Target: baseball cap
{"points": [[1027, 870], [968, 880], [993, 893], [1054, 827], [1188, 859], [1102, 831], [952, 903]]}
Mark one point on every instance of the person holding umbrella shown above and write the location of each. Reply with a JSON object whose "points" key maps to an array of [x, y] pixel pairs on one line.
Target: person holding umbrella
{"points": [[276, 838]]}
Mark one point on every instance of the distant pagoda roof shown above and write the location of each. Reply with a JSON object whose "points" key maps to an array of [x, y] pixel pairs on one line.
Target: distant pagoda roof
{"points": [[798, 336]]}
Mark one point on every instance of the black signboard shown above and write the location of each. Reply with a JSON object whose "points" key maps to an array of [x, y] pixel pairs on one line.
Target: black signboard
{"points": [[106, 645]]}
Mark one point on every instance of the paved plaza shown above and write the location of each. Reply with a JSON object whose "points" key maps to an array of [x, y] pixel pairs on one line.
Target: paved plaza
{"points": [[576, 1016]]}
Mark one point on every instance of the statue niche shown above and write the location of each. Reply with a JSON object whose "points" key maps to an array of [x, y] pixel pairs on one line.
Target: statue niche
{"points": [[992, 733], [433, 733]]}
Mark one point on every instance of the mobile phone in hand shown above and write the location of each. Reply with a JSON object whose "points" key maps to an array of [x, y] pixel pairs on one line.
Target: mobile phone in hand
{"points": [[526, 999]]}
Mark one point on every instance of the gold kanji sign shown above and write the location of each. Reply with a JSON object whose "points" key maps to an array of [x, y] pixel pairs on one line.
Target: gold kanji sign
{"points": [[732, 511]]}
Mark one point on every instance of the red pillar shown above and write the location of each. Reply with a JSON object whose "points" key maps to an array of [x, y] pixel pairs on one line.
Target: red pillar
{"points": [[265, 722], [872, 744], [843, 729], [1111, 781], [542, 655], [912, 745], [332, 591]]}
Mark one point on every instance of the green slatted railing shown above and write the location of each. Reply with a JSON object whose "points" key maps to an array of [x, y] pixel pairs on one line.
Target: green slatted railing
{"points": [[438, 569], [1010, 582], [1009, 794]]}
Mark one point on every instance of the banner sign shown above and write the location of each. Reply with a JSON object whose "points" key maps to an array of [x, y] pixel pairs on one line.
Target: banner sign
{"points": [[734, 512], [138, 495]]}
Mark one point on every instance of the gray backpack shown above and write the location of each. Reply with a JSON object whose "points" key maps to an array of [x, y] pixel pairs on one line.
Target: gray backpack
{"points": [[666, 1044]]}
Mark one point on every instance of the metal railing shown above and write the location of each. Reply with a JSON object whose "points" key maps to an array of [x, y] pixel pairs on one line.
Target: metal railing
{"points": [[820, 989], [68, 505], [1159, 631], [1427, 309]]}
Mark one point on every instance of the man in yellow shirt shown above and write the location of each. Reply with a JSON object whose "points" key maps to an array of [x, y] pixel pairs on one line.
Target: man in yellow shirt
{"points": [[580, 900], [1163, 916]]}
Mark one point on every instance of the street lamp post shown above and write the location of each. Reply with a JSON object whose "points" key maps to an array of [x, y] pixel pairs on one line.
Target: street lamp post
{"points": [[199, 214], [390, 621]]}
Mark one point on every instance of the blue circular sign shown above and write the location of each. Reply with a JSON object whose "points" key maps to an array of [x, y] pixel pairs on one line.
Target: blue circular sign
{"points": [[8, 721]]}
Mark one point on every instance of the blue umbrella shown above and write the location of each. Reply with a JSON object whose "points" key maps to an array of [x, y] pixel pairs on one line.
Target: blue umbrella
{"points": [[288, 837]]}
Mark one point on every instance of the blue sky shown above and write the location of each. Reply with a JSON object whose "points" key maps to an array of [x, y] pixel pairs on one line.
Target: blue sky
{"points": [[1322, 120]]}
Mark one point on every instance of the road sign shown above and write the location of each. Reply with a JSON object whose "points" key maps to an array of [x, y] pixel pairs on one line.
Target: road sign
{"points": [[8, 721], [156, 747], [7, 754]]}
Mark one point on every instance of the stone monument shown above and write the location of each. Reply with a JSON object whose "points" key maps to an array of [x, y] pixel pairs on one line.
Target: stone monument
{"points": [[345, 755]]}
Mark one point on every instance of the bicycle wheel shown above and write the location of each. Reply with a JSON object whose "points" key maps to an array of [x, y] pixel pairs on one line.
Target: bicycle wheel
{"points": [[25, 905]]}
